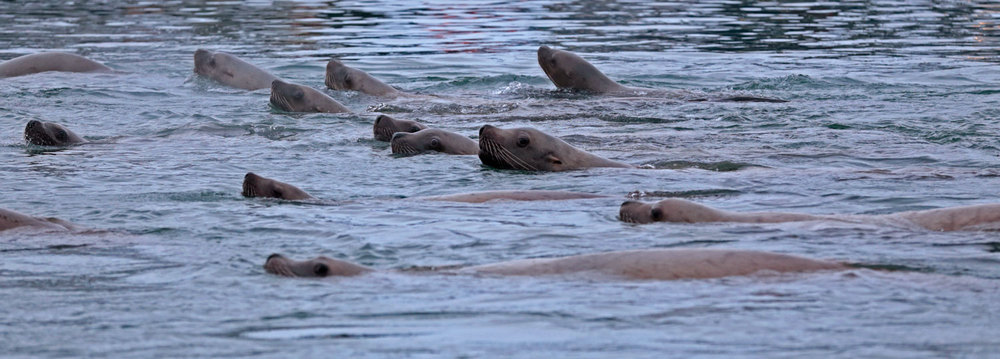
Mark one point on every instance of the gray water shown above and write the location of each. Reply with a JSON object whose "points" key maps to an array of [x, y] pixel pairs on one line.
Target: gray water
{"points": [[894, 105]]}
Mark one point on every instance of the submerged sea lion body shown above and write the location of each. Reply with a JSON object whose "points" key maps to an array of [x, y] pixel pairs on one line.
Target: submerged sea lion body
{"points": [[566, 70], [679, 210], [42, 133], [343, 77], [529, 149], [10, 219], [386, 126], [49, 61], [297, 98], [257, 186], [231, 70], [433, 140], [660, 264]]}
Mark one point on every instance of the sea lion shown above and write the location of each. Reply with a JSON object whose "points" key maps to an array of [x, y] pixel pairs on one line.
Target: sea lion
{"points": [[566, 70], [532, 150], [386, 126], [343, 77], [49, 61], [679, 210], [231, 70], [433, 139], [659, 264], [297, 98], [41, 133], [10, 219], [257, 186]]}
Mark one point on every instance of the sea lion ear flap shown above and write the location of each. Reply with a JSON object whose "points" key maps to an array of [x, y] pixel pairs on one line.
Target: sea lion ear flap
{"points": [[553, 159]]}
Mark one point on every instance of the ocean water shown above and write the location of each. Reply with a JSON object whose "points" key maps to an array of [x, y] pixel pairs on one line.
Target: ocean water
{"points": [[893, 106]]}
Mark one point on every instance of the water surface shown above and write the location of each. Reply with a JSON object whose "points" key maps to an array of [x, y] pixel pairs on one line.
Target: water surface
{"points": [[894, 105]]}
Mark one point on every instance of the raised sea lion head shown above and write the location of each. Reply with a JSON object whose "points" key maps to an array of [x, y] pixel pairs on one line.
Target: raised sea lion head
{"points": [[529, 149], [569, 71], [386, 126], [41, 133], [257, 186], [297, 98], [431, 140], [343, 77]]}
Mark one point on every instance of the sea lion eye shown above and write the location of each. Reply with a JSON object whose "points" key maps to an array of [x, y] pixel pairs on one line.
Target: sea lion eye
{"points": [[61, 135], [523, 142], [435, 143], [211, 62], [321, 270], [414, 129], [299, 95], [347, 81], [656, 214]]}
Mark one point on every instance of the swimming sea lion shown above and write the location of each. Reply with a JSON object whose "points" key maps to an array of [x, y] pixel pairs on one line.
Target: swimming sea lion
{"points": [[49, 61], [41, 133], [386, 126], [661, 264], [532, 150], [343, 77], [231, 70], [297, 98], [257, 186], [679, 210], [11, 219], [568, 71], [433, 139]]}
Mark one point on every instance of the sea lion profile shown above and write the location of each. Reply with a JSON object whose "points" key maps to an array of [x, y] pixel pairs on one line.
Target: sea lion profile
{"points": [[41, 133], [10, 219], [386, 126], [297, 98], [257, 186], [343, 77], [49, 61], [231, 70], [658, 264], [433, 139], [566, 70], [680, 210], [529, 149]]}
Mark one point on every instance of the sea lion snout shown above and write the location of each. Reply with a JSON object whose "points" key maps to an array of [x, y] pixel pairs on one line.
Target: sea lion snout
{"points": [[33, 124], [398, 135], [484, 128]]}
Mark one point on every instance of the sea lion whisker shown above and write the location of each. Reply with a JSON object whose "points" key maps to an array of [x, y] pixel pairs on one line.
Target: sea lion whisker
{"points": [[512, 159]]}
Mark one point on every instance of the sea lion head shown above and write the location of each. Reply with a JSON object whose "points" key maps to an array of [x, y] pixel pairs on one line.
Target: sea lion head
{"points": [[208, 63], [569, 71], [637, 212], [343, 77], [41, 133], [432, 140], [316, 267], [297, 98], [313, 268], [257, 186], [669, 210], [525, 149], [386, 126]]}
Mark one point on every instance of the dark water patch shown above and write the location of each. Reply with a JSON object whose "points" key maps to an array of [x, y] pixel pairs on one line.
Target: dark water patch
{"points": [[319, 332], [722, 166]]}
